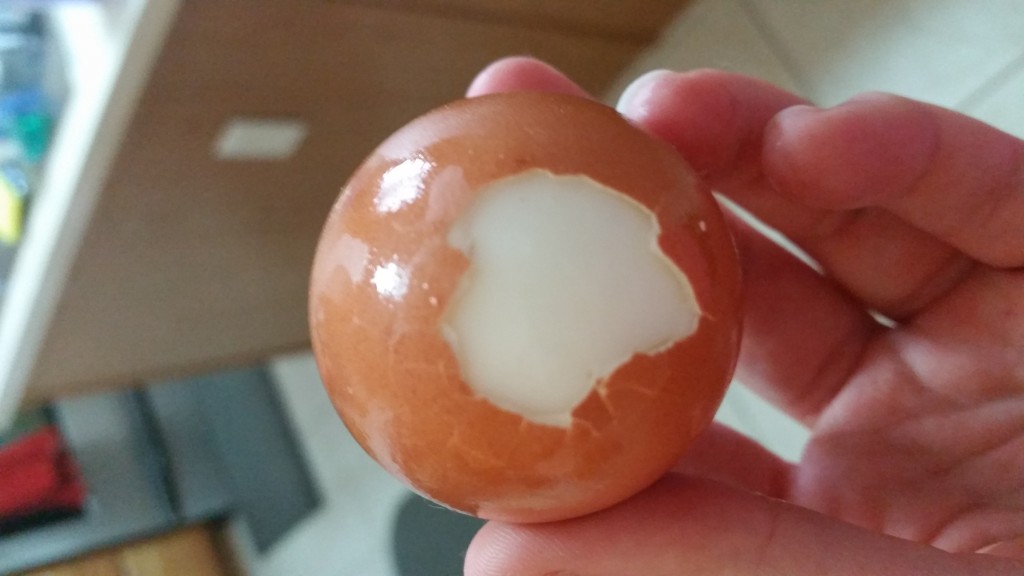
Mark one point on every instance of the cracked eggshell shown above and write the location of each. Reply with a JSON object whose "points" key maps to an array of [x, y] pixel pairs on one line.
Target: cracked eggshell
{"points": [[384, 274]]}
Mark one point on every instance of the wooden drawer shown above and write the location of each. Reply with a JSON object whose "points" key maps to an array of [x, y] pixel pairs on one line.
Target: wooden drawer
{"points": [[190, 551]]}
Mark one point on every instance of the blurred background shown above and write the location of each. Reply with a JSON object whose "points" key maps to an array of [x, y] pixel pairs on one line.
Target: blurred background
{"points": [[165, 166]]}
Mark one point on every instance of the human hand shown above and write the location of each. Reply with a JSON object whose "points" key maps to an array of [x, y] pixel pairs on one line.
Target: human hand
{"points": [[915, 463]]}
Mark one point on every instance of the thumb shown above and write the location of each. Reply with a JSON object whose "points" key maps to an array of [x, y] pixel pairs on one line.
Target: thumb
{"points": [[685, 525]]}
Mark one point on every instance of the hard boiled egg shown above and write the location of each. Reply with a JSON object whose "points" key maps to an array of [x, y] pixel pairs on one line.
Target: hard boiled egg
{"points": [[525, 307]]}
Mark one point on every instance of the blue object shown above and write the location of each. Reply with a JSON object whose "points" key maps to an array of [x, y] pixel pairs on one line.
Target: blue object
{"points": [[25, 117]]}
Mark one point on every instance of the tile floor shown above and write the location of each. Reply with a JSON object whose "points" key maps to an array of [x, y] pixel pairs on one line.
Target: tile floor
{"points": [[965, 55]]}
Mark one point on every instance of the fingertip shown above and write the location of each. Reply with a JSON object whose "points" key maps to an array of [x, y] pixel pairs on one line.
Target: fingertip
{"points": [[499, 549], [522, 74], [862, 152], [499, 73], [714, 119], [786, 139], [694, 112], [487, 551], [634, 99]]}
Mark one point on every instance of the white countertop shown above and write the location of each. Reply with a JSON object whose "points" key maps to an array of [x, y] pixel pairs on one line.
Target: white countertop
{"points": [[109, 50]]}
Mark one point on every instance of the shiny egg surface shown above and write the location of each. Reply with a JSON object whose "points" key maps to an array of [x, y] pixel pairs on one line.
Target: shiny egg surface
{"points": [[525, 307]]}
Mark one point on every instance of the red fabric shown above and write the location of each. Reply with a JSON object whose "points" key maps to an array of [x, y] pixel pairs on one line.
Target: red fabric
{"points": [[37, 474]]}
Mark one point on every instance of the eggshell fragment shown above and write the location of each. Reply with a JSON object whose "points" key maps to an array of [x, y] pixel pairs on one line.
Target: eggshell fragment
{"points": [[390, 327]]}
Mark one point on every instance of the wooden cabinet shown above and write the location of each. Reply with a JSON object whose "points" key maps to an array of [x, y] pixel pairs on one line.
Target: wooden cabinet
{"points": [[190, 551], [638, 22], [100, 564], [190, 264]]}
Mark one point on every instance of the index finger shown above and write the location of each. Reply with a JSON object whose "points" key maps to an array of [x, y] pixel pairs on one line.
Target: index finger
{"points": [[522, 74]]}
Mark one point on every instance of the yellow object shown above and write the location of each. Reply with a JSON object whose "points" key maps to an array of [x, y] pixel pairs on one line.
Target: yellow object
{"points": [[12, 212]]}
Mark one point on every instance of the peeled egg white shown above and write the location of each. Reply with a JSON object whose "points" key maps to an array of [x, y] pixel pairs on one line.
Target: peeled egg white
{"points": [[525, 307]]}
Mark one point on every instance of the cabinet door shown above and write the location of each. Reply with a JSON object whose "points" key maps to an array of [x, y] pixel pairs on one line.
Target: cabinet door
{"points": [[192, 264]]}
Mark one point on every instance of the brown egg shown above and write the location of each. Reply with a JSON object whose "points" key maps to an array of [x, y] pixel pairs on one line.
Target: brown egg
{"points": [[525, 307]]}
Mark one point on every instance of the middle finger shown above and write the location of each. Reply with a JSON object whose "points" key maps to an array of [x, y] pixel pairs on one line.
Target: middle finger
{"points": [[717, 121]]}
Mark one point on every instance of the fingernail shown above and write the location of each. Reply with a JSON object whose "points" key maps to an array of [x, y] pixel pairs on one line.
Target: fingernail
{"points": [[1008, 548], [638, 90], [786, 120]]}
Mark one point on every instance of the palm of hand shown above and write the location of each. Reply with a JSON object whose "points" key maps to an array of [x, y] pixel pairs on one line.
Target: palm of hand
{"points": [[926, 439]]}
